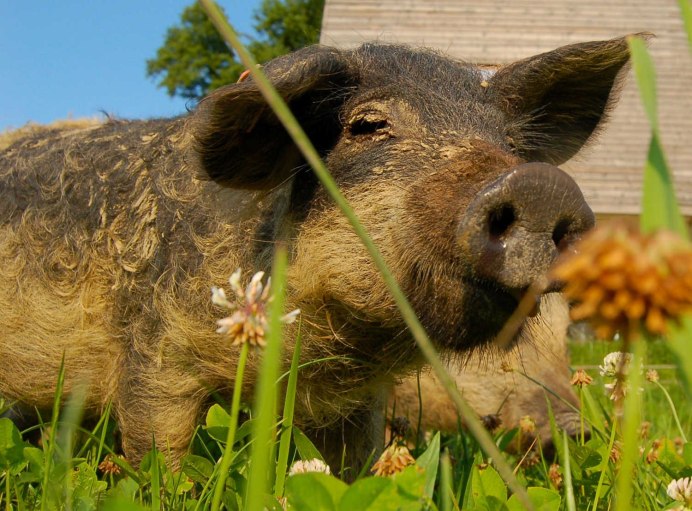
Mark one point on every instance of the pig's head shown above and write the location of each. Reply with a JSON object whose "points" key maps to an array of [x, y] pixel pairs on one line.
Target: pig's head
{"points": [[452, 171]]}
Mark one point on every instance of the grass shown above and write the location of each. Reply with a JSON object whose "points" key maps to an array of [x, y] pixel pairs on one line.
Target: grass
{"points": [[656, 409], [31, 481], [622, 465]]}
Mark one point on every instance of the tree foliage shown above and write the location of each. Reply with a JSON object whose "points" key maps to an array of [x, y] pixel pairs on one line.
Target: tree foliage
{"points": [[194, 59]]}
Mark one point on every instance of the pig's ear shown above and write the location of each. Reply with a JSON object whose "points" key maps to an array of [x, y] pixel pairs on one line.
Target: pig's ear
{"points": [[559, 98], [239, 140]]}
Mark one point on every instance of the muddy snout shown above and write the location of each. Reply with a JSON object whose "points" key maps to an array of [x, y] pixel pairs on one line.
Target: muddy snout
{"points": [[518, 224]]}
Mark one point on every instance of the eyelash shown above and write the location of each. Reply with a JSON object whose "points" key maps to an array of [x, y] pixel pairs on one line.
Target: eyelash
{"points": [[363, 126]]}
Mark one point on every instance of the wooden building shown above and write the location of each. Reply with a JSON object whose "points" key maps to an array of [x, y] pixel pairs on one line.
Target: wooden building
{"points": [[493, 32]]}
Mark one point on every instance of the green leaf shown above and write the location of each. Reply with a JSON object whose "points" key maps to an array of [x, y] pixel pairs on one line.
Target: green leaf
{"points": [[660, 208], [245, 430], [272, 504], [121, 504], [217, 422], [429, 461], [585, 457], [401, 492], [197, 468], [11, 446], [542, 499], [679, 342], [306, 448], [485, 490], [490, 484], [687, 453], [646, 78], [410, 482], [36, 460], [315, 491], [232, 501], [86, 486], [177, 484], [364, 494], [126, 489], [686, 10], [593, 412]]}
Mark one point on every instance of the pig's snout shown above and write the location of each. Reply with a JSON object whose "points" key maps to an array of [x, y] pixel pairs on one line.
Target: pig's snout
{"points": [[517, 225]]}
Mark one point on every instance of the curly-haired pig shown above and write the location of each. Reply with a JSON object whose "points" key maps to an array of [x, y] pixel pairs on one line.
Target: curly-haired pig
{"points": [[111, 236]]}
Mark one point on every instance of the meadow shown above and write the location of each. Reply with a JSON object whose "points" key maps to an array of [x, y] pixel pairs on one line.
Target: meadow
{"points": [[64, 465], [638, 454]]}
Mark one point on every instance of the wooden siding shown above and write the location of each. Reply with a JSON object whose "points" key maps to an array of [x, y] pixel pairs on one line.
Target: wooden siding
{"points": [[609, 170]]}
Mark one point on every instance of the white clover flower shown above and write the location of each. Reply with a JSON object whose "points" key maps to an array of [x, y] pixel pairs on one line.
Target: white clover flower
{"points": [[234, 281], [681, 490], [248, 322], [617, 390], [313, 465], [218, 297], [613, 361], [617, 365]]}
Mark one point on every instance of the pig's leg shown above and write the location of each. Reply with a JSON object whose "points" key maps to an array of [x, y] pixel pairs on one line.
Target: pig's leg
{"points": [[352, 439], [159, 404]]}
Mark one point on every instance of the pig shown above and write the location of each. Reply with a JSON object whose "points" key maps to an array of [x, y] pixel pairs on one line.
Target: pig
{"points": [[111, 236], [507, 384]]}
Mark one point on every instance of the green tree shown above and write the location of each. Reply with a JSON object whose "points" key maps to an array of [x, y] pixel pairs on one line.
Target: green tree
{"points": [[194, 60]]}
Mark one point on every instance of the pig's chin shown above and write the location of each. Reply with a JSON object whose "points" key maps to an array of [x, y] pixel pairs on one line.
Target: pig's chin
{"points": [[486, 308], [461, 322]]}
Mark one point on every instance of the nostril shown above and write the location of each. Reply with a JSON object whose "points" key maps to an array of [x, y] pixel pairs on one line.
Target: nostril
{"points": [[500, 220], [560, 234]]}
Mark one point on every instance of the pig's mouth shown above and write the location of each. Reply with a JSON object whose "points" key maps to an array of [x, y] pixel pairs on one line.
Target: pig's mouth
{"points": [[495, 311]]}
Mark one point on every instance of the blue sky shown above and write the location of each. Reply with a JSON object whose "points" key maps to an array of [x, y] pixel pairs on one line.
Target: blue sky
{"points": [[62, 58]]}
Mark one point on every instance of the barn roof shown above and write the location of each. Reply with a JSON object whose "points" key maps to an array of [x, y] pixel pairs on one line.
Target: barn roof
{"points": [[491, 32]]}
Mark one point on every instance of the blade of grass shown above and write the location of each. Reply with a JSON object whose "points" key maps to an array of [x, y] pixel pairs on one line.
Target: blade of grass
{"points": [[646, 78], [366, 466], [569, 489], [686, 11], [103, 421], [265, 396], [594, 414], [287, 424], [679, 342], [673, 411], [72, 417], [604, 467], [660, 209], [155, 477], [631, 421], [53, 427], [227, 457], [8, 495], [419, 421], [581, 417], [301, 140], [446, 492], [102, 424]]}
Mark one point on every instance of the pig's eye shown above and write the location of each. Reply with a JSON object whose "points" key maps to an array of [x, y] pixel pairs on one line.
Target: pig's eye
{"points": [[367, 124]]}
